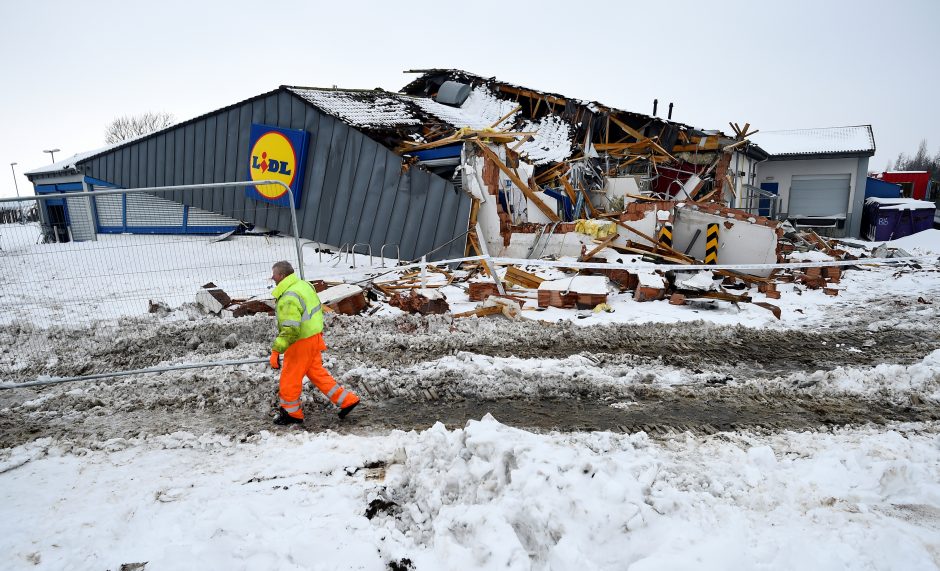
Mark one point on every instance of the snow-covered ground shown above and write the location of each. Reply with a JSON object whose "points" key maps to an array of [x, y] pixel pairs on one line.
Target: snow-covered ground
{"points": [[481, 496]]}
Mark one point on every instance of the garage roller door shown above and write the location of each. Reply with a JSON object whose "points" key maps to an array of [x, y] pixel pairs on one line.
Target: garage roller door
{"points": [[825, 196]]}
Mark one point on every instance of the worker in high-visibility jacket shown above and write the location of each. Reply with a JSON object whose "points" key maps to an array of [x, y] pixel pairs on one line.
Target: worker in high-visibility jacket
{"points": [[300, 340]]}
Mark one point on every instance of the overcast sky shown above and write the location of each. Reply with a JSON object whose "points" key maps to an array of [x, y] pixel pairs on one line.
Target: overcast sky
{"points": [[71, 67]]}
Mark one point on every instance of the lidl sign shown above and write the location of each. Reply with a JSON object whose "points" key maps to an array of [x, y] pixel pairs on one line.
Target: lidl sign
{"points": [[277, 154]]}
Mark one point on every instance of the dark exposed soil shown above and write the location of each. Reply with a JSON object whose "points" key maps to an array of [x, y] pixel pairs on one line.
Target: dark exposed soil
{"points": [[389, 362]]}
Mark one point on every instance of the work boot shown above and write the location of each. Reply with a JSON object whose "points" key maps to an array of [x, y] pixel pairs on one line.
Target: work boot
{"points": [[283, 418], [346, 410]]}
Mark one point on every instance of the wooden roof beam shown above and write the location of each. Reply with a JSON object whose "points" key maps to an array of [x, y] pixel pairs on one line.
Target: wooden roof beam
{"points": [[514, 177]]}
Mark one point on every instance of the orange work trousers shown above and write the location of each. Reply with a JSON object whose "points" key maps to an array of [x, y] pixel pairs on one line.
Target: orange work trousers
{"points": [[303, 358]]}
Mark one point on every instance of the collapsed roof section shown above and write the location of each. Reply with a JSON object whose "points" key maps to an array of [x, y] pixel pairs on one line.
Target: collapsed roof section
{"points": [[403, 122], [562, 127]]}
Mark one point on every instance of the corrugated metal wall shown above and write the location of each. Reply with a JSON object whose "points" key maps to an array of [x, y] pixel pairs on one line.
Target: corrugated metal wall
{"points": [[81, 218], [354, 190]]}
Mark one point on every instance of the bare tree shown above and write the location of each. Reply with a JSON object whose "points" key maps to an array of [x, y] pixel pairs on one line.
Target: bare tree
{"points": [[921, 161], [128, 127]]}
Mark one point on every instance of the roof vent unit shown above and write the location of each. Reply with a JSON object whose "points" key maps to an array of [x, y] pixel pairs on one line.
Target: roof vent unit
{"points": [[453, 93]]}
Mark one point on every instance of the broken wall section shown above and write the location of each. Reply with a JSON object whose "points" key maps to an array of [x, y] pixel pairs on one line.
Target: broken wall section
{"points": [[742, 238]]}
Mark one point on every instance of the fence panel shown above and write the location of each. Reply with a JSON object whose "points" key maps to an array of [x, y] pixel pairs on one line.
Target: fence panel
{"points": [[80, 284]]}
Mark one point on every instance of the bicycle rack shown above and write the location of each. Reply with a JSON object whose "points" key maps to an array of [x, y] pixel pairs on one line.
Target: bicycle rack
{"points": [[382, 252], [352, 252], [319, 250], [339, 254]]}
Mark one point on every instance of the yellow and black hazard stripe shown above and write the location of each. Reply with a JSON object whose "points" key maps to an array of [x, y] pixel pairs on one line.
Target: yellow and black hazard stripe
{"points": [[711, 244], [665, 235]]}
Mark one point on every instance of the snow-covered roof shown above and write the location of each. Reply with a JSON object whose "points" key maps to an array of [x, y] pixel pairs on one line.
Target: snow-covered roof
{"points": [[362, 108], [385, 110], [901, 203], [378, 109], [857, 139], [69, 163]]}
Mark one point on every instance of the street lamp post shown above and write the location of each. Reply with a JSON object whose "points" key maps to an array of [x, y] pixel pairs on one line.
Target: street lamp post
{"points": [[19, 205], [52, 152], [15, 185]]}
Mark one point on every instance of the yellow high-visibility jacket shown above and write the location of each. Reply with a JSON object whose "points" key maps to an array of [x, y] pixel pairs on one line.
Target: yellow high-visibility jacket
{"points": [[298, 310]]}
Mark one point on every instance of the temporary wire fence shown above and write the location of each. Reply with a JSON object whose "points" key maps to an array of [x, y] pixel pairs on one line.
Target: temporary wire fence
{"points": [[138, 253]]}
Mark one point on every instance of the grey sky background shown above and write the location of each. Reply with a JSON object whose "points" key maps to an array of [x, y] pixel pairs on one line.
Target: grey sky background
{"points": [[71, 67]]}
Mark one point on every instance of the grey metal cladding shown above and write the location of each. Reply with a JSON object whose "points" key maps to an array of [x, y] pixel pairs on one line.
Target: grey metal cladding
{"points": [[315, 173], [354, 189], [159, 178], [416, 193], [218, 135], [334, 163], [360, 208], [385, 202], [370, 205], [431, 213], [461, 213], [230, 132], [340, 216]]}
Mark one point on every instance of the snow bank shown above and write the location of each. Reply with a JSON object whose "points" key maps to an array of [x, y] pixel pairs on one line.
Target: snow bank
{"points": [[483, 497], [926, 242], [890, 382]]}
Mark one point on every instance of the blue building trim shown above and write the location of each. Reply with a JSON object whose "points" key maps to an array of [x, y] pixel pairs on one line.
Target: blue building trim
{"points": [[166, 230], [98, 182], [445, 152], [61, 187]]}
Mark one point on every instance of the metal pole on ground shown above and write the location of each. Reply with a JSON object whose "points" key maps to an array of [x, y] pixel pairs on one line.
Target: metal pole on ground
{"points": [[55, 381]]}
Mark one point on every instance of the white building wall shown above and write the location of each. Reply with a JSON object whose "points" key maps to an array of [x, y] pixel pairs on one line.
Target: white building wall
{"points": [[743, 170], [739, 242], [782, 172]]}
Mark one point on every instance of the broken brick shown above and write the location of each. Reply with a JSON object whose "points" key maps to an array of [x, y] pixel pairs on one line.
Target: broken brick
{"points": [[833, 273], [414, 302], [479, 291], [766, 287], [252, 307], [554, 298], [645, 293]]}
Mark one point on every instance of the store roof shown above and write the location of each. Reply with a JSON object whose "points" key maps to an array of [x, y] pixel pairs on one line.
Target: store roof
{"points": [[70, 162], [858, 140]]}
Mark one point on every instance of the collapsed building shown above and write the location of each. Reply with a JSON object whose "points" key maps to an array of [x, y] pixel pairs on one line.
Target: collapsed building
{"points": [[453, 164]]}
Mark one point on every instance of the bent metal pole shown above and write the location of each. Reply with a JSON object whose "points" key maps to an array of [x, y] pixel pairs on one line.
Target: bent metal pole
{"points": [[55, 380], [293, 222]]}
